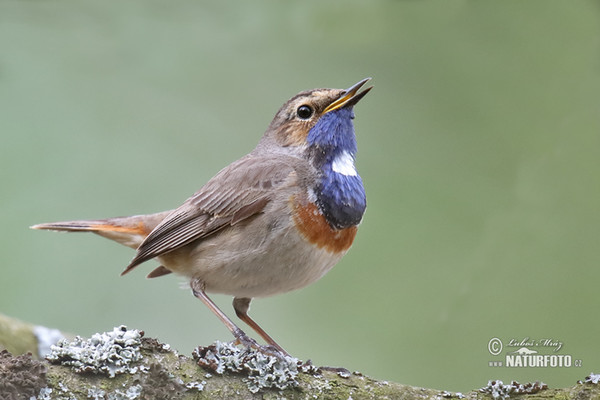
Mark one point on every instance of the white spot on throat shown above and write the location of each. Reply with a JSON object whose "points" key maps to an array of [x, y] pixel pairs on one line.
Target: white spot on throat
{"points": [[344, 164]]}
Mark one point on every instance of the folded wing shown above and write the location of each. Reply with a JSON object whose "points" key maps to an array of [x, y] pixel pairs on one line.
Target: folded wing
{"points": [[239, 191]]}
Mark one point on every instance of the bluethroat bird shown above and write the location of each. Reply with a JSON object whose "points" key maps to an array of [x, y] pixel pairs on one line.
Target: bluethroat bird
{"points": [[273, 221]]}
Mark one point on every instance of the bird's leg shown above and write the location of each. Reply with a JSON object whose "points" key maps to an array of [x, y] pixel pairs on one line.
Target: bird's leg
{"points": [[198, 291], [241, 306]]}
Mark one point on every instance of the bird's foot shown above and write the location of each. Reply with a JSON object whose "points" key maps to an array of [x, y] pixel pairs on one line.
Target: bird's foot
{"points": [[242, 339], [245, 340]]}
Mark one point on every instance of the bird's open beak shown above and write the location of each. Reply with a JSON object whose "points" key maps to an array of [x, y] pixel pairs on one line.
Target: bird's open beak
{"points": [[349, 96]]}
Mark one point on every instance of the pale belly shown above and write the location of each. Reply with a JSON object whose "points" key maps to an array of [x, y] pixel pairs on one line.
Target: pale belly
{"points": [[254, 260]]}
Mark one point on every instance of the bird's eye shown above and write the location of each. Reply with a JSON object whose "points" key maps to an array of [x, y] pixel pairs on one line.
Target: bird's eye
{"points": [[304, 112]]}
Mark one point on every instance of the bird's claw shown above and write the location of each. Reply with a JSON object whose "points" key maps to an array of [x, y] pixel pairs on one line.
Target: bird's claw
{"points": [[246, 341], [242, 339]]}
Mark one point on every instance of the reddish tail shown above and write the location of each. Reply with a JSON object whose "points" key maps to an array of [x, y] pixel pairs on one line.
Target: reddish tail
{"points": [[129, 231]]}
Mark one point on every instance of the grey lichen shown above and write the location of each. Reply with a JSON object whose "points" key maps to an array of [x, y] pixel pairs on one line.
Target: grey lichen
{"points": [[592, 378], [46, 337], [109, 353], [96, 394], [262, 370], [132, 393], [499, 390], [123, 351], [45, 394], [199, 386], [451, 395]]}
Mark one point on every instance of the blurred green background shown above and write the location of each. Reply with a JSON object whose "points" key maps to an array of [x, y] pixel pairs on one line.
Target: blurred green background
{"points": [[479, 149]]}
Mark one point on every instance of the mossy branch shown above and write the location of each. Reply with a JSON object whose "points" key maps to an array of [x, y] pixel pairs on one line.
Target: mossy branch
{"points": [[146, 369]]}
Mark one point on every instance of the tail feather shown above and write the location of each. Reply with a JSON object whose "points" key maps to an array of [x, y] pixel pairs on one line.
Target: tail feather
{"points": [[129, 231], [81, 226]]}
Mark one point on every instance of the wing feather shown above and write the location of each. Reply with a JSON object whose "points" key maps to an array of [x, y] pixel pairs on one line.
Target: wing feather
{"points": [[237, 192]]}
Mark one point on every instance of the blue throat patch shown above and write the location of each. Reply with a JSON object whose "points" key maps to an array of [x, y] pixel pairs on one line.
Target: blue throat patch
{"points": [[332, 146]]}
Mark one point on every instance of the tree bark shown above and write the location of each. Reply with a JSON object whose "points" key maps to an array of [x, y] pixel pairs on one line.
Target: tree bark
{"points": [[147, 369]]}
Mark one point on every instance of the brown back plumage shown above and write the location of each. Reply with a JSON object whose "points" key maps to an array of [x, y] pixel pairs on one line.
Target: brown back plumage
{"points": [[239, 191]]}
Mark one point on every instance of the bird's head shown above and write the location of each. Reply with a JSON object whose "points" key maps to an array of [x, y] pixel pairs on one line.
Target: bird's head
{"points": [[318, 118], [317, 124]]}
